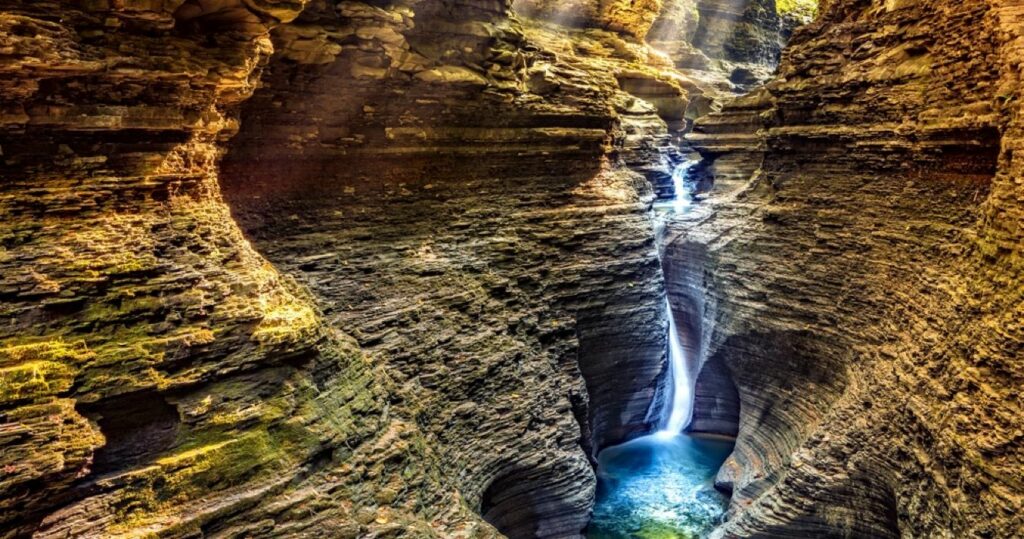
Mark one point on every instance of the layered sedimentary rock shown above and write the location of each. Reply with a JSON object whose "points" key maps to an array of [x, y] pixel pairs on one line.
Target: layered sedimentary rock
{"points": [[458, 253], [157, 375], [449, 296], [630, 17], [740, 39], [866, 277], [740, 31], [458, 196]]}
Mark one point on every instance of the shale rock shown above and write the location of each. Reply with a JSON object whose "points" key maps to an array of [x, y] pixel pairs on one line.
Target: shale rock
{"points": [[449, 250], [475, 219]]}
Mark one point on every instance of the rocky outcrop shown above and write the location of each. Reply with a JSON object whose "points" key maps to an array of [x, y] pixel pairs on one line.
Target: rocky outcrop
{"points": [[629, 17], [866, 276]]}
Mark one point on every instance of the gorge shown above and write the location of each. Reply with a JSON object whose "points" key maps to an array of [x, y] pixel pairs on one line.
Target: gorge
{"points": [[400, 268]]}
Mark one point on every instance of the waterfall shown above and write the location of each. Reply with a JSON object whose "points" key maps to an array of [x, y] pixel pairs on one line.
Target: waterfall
{"points": [[682, 198], [678, 409]]}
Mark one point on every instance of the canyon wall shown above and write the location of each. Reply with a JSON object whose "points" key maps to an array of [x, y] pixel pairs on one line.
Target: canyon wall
{"points": [[157, 375], [742, 39], [411, 280], [445, 219], [457, 202], [862, 264]]}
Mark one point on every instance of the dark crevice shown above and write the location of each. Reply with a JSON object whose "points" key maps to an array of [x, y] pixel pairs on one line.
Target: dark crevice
{"points": [[540, 500], [497, 505], [137, 427], [206, 17]]}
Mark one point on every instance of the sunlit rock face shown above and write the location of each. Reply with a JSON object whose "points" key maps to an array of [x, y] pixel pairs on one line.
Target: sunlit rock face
{"points": [[445, 220], [864, 264], [742, 39], [157, 375], [421, 290], [630, 17]]}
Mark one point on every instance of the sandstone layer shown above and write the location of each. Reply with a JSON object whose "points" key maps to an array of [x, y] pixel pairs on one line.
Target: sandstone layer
{"points": [[467, 201], [741, 39], [158, 376], [385, 268]]}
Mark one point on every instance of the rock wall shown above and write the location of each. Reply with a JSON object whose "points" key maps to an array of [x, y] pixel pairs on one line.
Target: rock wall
{"points": [[742, 39], [462, 199], [423, 285], [633, 18], [157, 375], [864, 260], [451, 253]]}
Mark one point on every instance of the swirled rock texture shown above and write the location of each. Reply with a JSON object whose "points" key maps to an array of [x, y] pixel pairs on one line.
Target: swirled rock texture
{"points": [[863, 276], [421, 288]]}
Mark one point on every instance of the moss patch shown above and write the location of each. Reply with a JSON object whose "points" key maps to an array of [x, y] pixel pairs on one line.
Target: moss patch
{"points": [[807, 9]]}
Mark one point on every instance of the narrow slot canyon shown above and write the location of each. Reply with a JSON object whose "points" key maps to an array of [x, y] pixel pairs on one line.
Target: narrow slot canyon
{"points": [[598, 269]]}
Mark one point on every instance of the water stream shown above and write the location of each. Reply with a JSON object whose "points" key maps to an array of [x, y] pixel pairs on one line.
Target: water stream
{"points": [[662, 485], [681, 402]]}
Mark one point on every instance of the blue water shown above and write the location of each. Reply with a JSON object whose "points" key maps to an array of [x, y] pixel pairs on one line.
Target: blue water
{"points": [[659, 486]]}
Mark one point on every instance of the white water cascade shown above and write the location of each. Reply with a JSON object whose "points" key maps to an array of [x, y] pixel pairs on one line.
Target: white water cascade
{"points": [[682, 199], [664, 481], [678, 408]]}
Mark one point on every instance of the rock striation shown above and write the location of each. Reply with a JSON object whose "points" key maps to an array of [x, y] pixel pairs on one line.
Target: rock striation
{"points": [[157, 375], [461, 194], [862, 264], [740, 39]]}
